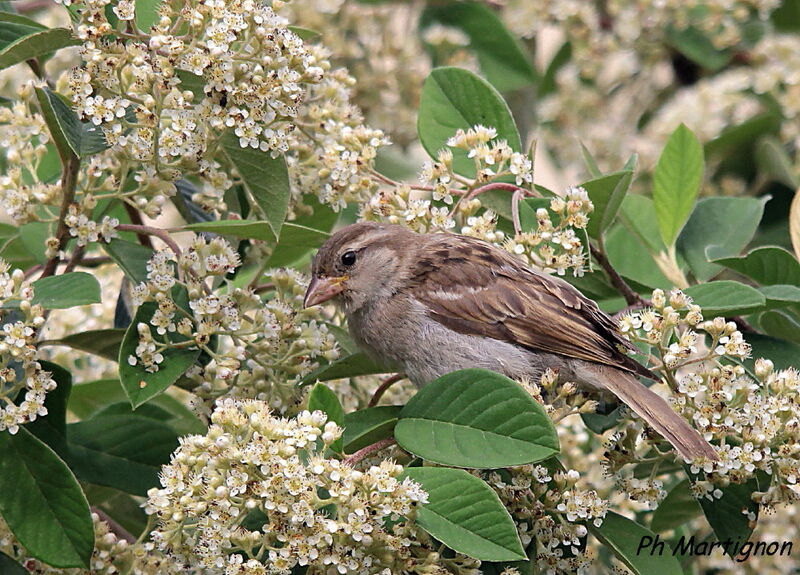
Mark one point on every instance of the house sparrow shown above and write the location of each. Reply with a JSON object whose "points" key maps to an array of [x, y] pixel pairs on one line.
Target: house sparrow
{"points": [[429, 304]]}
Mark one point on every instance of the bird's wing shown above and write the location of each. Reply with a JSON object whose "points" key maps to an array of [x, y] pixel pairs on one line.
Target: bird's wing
{"points": [[475, 288]]}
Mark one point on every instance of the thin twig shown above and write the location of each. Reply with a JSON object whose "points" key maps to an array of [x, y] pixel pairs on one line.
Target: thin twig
{"points": [[351, 460], [69, 181], [76, 259], [136, 219], [151, 231], [631, 297], [386, 384]]}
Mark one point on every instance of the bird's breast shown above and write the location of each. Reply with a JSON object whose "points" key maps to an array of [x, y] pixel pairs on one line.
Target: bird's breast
{"points": [[405, 337]]}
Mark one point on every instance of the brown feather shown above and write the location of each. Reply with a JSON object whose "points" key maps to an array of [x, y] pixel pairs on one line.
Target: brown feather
{"points": [[505, 300]]}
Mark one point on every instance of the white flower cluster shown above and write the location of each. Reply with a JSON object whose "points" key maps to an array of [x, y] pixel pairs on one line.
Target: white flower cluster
{"points": [[257, 348], [549, 509], [256, 495], [165, 97], [555, 246], [19, 369], [24, 137], [754, 421]]}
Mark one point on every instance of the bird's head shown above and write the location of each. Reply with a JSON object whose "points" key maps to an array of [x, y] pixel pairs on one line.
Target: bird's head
{"points": [[360, 264]]}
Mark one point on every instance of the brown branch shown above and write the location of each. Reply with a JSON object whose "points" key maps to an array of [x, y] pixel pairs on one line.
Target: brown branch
{"points": [[386, 384], [351, 460], [631, 297], [69, 181], [76, 259], [163, 235], [136, 219]]}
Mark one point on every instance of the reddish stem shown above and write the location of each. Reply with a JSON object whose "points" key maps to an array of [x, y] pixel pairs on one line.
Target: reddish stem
{"points": [[386, 384], [351, 460]]}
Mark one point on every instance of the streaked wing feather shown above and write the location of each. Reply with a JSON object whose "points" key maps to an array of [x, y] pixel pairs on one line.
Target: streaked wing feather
{"points": [[489, 292]]}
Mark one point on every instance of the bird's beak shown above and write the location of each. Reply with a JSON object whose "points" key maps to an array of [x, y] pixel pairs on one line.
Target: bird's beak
{"points": [[321, 289]]}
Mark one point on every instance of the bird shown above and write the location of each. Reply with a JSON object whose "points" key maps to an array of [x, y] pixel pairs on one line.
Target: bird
{"points": [[430, 304]]}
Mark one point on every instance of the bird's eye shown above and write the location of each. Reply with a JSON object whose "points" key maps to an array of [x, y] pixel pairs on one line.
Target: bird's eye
{"points": [[348, 258]]}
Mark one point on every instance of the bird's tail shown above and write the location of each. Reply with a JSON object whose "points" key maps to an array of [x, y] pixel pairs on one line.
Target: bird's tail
{"points": [[655, 411]]}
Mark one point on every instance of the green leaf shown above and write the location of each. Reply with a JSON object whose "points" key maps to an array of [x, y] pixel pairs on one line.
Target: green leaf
{"points": [[147, 13], [476, 418], [590, 162], [13, 26], [717, 228], [740, 138], [766, 265], [62, 126], [772, 159], [452, 99], [10, 567], [96, 397], [786, 16], [627, 539], [248, 229], [349, 366], [141, 385], [33, 44], [678, 508], [547, 84], [42, 502], [606, 193], [696, 46], [367, 426], [780, 324], [638, 213], [466, 515], [631, 258], [67, 290], [323, 399], [501, 58], [70, 135], [784, 354], [726, 515], [727, 298], [295, 242], [306, 34], [102, 342], [265, 178], [676, 182], [121, 451], [131, 257], [780, 295]]}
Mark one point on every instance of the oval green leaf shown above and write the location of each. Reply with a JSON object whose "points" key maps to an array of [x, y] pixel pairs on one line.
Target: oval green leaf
{"points": [[121, 451], [67, 290], [676, 182], [265, 178], [726, 298], [140, 385], [768, 265], [606, 193], [35, 44], [367, 426], [42, 503], [323, 399], [678, 508], [466, 515], [629, 542], [349, 366], [478, 419], [780, 324], [718, 228], [454, 98]]}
